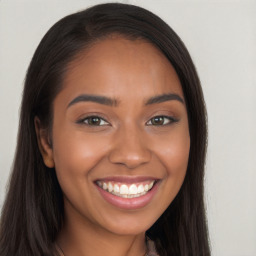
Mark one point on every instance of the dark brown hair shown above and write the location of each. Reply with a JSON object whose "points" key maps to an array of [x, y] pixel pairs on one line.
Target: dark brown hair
{"points": [[33, 211]]}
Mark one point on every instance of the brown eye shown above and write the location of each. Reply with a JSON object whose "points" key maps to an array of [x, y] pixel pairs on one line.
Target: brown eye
{"points": [[161, 120], [94, 121]]}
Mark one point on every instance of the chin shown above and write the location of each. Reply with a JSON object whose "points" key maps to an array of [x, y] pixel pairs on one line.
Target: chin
{"points": [[130, 226]]}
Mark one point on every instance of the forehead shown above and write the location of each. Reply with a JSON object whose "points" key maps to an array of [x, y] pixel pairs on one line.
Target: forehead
{"points": [[118, 67]]}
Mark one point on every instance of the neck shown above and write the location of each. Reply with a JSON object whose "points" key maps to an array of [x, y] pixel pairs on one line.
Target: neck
{"points": [[80, 237]]}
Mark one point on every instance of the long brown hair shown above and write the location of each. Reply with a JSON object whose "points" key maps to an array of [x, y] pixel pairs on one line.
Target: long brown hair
{"points": [[32, 214]]}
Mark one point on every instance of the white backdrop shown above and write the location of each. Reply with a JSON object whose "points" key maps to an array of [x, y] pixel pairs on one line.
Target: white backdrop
{"points": [[221, 37]]}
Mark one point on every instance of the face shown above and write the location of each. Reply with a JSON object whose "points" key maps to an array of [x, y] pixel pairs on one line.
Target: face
{"points": [[120, 136]]}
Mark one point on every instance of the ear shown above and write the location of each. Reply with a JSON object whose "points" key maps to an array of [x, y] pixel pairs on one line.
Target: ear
{"points": [[44, 144]]}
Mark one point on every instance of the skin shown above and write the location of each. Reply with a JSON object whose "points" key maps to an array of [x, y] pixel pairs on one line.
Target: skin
{"points": [[127, 143]]}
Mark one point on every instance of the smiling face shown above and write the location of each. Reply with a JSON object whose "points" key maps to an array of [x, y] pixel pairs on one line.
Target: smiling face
{"points": [[120, 136]]}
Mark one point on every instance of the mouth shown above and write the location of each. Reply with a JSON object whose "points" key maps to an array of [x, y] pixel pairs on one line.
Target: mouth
{"points": [[126, 190], [129, 193]]}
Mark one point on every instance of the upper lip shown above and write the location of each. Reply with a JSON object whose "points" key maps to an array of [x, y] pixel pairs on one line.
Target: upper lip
{"points": [[128, 179]]}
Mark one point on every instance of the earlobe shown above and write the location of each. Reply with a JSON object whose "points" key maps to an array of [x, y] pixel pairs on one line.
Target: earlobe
{"points": [[44, 144]]}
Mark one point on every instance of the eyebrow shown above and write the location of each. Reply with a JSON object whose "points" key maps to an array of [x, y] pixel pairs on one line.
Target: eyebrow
{"points": [[94, 98], [163, 98], [113, 102]]}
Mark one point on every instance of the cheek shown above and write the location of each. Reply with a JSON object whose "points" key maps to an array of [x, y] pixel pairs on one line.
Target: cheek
{"points": [[76, 153], [176, 155], [173, 152]]}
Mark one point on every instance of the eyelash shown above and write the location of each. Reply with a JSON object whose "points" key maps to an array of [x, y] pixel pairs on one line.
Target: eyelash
{"points": [[166, 120]]}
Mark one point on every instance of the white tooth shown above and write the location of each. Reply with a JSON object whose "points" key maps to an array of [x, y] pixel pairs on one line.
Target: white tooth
{"points": [[116, 188], [151, 185], [146, 187], [110, 187], [123, 189], [140, 189], [133, 189], [105, 186]]}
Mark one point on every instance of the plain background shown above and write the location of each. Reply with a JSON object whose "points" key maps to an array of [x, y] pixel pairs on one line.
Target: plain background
{"points": [[221, 37]]}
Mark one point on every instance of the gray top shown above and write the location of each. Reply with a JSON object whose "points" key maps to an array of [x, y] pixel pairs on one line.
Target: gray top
{"points": [[151, 248]]}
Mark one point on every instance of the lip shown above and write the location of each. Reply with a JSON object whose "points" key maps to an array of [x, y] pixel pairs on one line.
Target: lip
{"points": [[129, 203], [128, 179]]}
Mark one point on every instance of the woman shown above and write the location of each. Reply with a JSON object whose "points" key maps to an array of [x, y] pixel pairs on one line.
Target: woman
{"points": [[111, 145]]}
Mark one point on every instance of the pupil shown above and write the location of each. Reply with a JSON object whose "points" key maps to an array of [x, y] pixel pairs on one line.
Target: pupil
{"points": [[158, 120], [94, 121]]}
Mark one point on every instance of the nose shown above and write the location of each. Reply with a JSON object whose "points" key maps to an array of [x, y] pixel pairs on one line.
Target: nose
{"points": [[130, 149]]}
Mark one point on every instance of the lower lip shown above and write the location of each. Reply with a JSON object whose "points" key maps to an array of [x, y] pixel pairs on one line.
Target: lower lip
{"points": [[129, 203]]}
